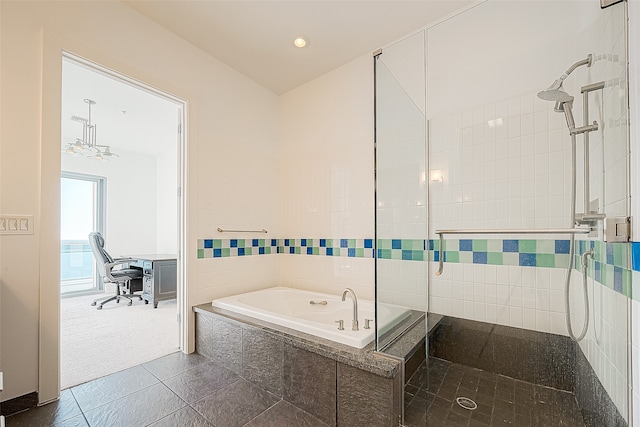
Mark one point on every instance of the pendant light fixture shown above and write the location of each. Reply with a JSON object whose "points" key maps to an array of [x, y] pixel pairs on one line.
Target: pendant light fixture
{"points": [[87, 145]]}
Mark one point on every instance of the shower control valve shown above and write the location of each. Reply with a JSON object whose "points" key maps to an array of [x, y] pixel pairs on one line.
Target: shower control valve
{"points": [[340, 324]]}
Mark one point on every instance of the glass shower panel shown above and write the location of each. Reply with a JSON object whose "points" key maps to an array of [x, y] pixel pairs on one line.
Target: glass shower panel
{"points": [[401, 208], [506, 158]]}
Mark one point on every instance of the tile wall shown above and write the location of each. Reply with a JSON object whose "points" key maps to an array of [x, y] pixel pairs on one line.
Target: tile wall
{"points": [[507, 165]]}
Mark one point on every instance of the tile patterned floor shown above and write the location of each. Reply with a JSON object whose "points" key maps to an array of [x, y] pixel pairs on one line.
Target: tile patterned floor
{"points": [[430, 399], [175, 390], [189, 390]]}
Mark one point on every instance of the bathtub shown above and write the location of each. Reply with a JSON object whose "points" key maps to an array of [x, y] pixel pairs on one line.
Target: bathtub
{"points": [[291, 308]]}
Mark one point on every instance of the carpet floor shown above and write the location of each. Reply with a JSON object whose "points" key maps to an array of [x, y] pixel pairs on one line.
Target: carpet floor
{"points": [[95, 343]]}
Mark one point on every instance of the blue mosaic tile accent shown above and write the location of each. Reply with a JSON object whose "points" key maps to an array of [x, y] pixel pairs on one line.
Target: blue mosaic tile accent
{"points": [[635, 256], [466, 245], [562, 246], [510, 246]]}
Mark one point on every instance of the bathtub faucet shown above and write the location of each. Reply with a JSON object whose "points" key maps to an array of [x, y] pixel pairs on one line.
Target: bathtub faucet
{"points": [[354, 323]]}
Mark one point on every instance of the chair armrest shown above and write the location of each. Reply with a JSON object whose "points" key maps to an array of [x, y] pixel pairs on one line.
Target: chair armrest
{"points": [[109, 266]]}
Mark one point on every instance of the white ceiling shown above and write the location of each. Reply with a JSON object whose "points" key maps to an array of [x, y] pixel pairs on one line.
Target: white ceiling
{"points": [[126, 117], [255, 37]]}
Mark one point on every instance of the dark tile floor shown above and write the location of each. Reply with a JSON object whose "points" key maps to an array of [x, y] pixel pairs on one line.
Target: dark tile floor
{"points": [[430, 399], [175, 390]]}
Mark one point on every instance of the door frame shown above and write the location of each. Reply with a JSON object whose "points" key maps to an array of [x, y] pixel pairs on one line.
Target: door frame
{"points": [[48, 223]]}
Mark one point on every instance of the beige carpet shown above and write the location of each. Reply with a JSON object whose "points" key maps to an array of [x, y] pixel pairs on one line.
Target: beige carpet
{"points": [[95, 343]]}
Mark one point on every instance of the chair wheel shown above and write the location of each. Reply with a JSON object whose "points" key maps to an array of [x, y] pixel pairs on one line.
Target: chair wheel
{"points": [[93, 303], [130, 302], [99, 307]]}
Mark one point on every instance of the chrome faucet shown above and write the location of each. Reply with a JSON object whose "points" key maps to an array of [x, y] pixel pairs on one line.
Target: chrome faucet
{"points": [[354, 323]]}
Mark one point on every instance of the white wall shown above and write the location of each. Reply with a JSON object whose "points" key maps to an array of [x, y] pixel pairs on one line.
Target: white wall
{"points": [[167, 202], [131, 200], [232, 121], [326, 175]]}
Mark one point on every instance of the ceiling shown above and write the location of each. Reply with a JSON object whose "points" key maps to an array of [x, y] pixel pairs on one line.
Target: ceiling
{"points": [[253, 37], [256, 37], [126, 117]]}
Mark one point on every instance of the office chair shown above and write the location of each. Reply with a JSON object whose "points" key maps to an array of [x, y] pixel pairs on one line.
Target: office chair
{"points": [[120, 277]]}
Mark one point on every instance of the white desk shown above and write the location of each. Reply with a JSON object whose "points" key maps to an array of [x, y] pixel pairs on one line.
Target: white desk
{"points": [[160, 276]]}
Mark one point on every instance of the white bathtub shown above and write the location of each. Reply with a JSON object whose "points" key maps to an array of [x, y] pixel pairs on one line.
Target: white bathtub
{"points": [[291, 308]]}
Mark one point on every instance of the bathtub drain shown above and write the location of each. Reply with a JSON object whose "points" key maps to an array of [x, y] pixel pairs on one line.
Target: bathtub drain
{"points": [[466, 403]]}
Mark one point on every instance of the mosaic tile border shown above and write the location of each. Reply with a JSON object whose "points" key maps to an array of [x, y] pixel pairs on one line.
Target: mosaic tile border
{"points": [[222, 248], [613, 264]]}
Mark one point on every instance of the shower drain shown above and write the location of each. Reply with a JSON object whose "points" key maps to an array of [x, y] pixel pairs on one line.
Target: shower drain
{"points": [[466, 403]]}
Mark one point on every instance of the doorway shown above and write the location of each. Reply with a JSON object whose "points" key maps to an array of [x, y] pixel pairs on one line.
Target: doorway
{"points": [[128, 135]]}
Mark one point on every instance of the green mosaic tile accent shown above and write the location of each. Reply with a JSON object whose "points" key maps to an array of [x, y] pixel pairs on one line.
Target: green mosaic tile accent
{"points": [[453, 256], [528, 246], [494, 258], [479, 245], [545, 260], [200, 253]]}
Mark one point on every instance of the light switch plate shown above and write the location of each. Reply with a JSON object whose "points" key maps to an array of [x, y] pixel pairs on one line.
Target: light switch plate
{"points": [[16, 224]]}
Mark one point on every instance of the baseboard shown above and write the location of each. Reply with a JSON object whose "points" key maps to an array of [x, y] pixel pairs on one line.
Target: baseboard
{"points": [[19, 404]]}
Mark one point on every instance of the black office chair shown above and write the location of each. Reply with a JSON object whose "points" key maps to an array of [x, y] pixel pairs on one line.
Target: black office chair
{"points": [[122, 277]]}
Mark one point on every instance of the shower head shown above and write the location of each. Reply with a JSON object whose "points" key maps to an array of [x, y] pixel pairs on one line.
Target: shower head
{"points": [[564, 101], [555, 92]]}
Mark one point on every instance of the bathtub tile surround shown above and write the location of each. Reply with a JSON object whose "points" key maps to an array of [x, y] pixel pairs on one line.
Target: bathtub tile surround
{"points": [[262, 356], [365, 399], [309, 383], [226, 340], [296, 356]]}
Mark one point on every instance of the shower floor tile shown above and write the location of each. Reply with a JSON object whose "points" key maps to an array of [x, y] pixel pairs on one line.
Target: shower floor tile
{"points": [[430, 399]]}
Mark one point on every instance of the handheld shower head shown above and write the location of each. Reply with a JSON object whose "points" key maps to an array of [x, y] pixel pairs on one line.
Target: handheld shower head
{"points": [[555, 92], [564, 101]]}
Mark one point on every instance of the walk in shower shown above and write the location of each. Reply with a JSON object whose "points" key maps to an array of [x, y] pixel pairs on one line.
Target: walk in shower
{"points": [[522, 211]]}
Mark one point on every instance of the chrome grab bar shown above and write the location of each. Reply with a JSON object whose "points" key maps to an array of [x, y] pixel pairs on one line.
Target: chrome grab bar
{"points": [[440, 233], [241, 231], [312, 302]]}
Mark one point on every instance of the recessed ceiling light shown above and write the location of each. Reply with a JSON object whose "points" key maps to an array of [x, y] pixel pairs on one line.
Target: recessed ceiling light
{"points": [[300, 41]]}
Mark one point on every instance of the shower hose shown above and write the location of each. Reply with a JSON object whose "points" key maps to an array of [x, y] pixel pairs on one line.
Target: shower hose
{"points": [[585, 325]]}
